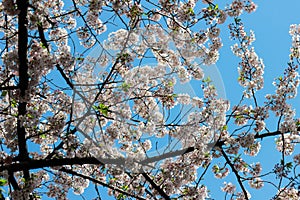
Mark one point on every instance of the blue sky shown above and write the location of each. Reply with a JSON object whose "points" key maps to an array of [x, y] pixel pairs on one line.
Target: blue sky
{"points": [[270, 23]]}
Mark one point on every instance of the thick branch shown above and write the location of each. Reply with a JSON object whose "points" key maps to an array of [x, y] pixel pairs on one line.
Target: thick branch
{"points": [[167, 155], [238, 177], [23, 79], [12, 87], [271, 134], [61, 71], [42, 36], [36, 164], [156, 187], [22, 45], [13, 181]]}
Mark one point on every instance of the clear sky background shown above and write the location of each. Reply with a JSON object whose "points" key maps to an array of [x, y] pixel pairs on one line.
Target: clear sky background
{"points": [[270, 24]]}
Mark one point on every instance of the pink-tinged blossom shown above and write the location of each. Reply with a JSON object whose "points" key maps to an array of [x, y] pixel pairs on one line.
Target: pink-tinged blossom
{"points": [[220, 173], [255, 169], [254, 149], [251, 7], [256, 183], [183, 99], [241, 196], [259, 125], [213, 32], [186, 11], [197, 102], [297, 159], [287, 146], [287, 193], [229, 188], [251, 67], [246, 140], [10, 7], [222, 17], [235, 9], [295, 33]]}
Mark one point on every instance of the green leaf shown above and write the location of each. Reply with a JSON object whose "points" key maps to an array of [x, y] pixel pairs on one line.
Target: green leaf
{"points": [[241, 78], [125, 86], [43, 46], [13, 103], [289, 165], [237, 156], [125, 187], [4, 93], [224, 128], [102, 109], [30, 116], [121, 197], [216, 168], [237, 20], [191, 11], [37, 196], [3, 181], [185, 191], [207, 80], [170, 83], [216, 7], [81, 59], [95, 107]]}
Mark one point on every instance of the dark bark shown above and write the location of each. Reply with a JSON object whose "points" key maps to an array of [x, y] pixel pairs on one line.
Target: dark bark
{"points": [[23, 80]]}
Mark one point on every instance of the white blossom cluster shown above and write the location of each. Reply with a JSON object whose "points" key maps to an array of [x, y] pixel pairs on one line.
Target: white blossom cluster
{"points": [[251, 67]]}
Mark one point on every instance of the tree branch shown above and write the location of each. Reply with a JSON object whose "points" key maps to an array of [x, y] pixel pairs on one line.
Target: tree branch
{"points": [[238, 177], [36, 164], [167, 155], [12, 87], [61, 71], [263, 135], [100, 183], [156, 187], [23, 79]]}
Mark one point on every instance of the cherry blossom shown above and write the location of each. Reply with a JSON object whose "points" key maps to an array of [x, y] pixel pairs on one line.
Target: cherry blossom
{"points": [[89, 98]]}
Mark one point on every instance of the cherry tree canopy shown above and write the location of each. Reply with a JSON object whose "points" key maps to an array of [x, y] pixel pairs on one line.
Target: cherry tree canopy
{"points": [[90, 99]]}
